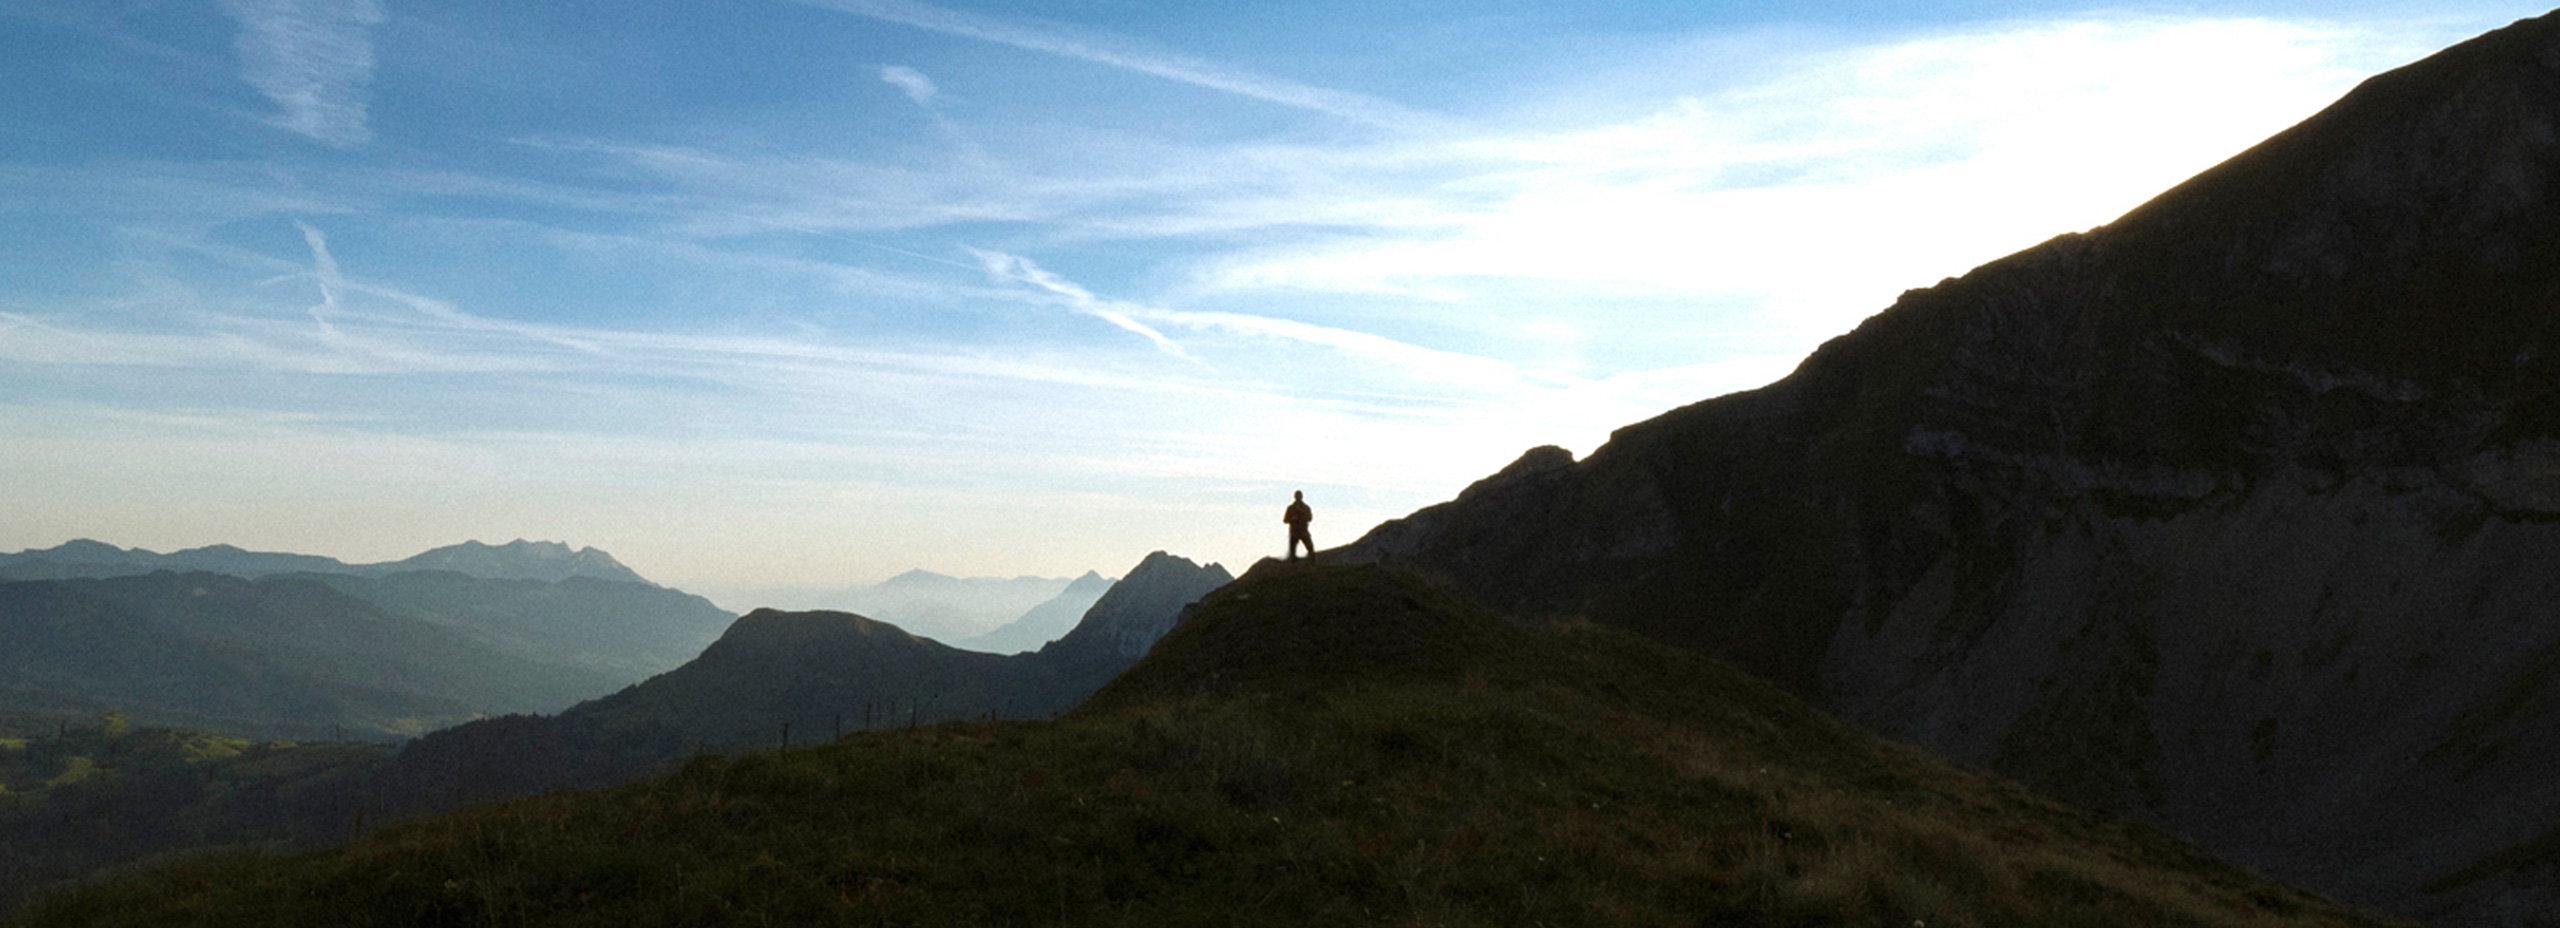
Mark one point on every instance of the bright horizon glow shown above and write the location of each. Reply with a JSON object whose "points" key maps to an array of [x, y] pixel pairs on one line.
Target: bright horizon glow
{"points": [[807, 293]]}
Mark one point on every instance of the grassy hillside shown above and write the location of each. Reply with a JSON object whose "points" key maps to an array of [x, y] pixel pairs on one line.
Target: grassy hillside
{"points": [[1315, 746], [77, 798]]}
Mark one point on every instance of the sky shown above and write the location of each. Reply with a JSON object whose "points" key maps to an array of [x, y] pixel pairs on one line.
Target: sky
{"points": [[765, 295]]}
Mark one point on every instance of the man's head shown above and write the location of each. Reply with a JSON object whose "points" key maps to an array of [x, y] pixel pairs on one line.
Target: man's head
{"points": [[1300, 495]]}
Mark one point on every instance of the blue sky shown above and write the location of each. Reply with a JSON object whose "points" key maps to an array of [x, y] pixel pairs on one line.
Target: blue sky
{"points": [[764, 294]]}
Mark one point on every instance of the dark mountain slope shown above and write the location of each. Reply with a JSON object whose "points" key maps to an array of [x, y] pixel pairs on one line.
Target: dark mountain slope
{"points": [[2235, 514], [812, 669], [1342, 746], [1128, 620]]}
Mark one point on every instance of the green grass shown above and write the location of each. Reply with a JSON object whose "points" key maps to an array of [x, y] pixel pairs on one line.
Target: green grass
{"points": [[74, 770], [90, 798], [1384, 754]]}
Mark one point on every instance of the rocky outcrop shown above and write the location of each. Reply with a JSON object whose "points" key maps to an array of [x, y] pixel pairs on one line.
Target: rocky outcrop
{"points": [[2234, 514], [1129, 618]]}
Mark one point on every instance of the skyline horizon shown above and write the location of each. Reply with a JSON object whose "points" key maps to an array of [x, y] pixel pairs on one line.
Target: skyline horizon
{"points": [[799, 592], [806, 293]]}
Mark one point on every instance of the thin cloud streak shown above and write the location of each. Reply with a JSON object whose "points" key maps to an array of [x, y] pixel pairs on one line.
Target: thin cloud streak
{"points": [[911, 82], [1112, 52], [1018, 268], [313, 59]]}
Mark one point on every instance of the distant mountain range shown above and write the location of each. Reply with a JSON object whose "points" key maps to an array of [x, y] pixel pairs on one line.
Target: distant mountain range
{"points": [[289, 645], [277, 656], [548, 561], [1045, 622], [938, 606], [818, 673]]}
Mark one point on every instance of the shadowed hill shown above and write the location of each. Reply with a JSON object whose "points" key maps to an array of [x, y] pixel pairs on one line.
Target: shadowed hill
{"points": [[2235, 514], [1298, 627], [1463, 770], [819, 673], [816, 670]]}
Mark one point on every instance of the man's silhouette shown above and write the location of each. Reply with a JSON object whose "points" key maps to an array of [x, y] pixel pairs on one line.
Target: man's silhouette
{"points": [[1298, 516]]}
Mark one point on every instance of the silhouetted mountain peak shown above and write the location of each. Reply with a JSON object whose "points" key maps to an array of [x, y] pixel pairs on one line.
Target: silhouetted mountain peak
{"points": [[776, 630], [919, 577], [521, 560], [1136, 611]]}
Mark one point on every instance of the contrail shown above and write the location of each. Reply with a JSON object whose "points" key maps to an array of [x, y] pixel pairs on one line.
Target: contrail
{"points": [[1068, 43]]}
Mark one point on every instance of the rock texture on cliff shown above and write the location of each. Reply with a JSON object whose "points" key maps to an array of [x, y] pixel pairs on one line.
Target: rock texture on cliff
{"points": [[2237, 514]]}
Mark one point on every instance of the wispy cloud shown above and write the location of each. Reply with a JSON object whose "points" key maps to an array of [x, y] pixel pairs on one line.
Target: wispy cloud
{"points": [[324, 270], [910, 81], [314, 59], [1840, 178], [1110, 51], [1018, 268]]}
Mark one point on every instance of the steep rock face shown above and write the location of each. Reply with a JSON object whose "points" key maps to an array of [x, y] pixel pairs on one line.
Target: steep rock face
{"points": [[1126, 621], [2236, 514]]}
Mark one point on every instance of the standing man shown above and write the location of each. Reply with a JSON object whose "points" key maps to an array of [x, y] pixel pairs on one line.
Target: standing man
{"points": [[1298, 516]]}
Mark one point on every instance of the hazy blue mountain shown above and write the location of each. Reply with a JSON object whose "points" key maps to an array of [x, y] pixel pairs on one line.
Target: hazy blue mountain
{"points": [[279, 656], [85, 558], [945, 607], [1046, 621], [537, 601], [515, 560], [625, 630], [2238, 514]]}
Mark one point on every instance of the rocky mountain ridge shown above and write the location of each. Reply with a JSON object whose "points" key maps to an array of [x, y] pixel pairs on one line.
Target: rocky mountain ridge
{"points": [[2233, 514]]}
